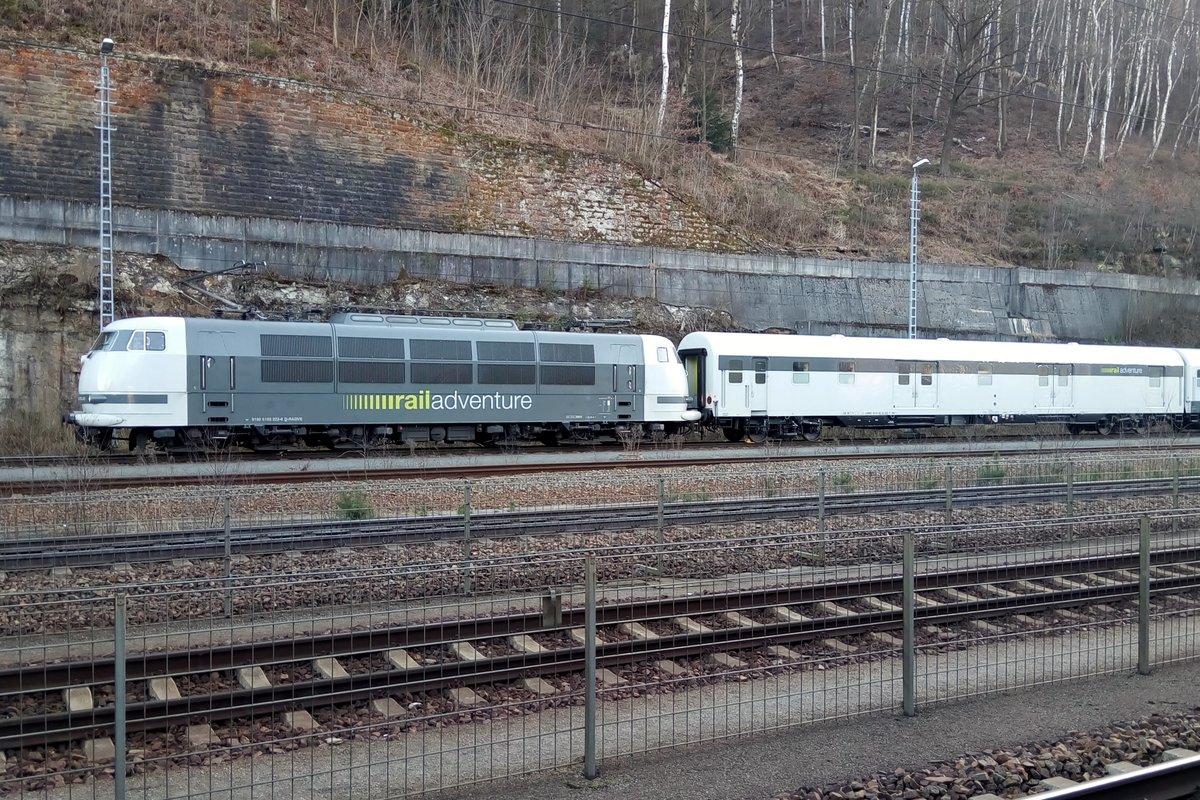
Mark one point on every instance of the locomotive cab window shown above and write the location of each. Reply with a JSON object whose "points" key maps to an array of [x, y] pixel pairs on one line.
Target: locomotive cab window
{"points": [[846, 372], [800, 372], [147, 340], [735, 370], [984, 375], [663, 357]]}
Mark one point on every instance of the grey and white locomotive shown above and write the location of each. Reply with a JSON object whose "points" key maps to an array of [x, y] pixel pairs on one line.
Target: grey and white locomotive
{"points": [[367, 379]]}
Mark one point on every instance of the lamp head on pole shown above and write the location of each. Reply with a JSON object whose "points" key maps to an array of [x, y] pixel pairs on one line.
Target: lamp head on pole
{"points": [[920, 164], [106, 46]]}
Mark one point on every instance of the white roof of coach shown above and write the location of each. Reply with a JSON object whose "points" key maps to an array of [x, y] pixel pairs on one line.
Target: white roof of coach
{"points": [[752, 344]]}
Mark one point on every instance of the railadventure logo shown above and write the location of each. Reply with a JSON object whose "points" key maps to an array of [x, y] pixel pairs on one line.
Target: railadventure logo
{"points": [[426, 400]]}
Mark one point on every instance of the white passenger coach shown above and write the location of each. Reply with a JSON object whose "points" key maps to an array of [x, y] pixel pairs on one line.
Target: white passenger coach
{"points": [[761, 385]]}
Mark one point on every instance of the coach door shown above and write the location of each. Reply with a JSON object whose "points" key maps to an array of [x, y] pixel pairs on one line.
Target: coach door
{"points": [[1156, 392], [756, 388], [916, 385], [1054, 388]]}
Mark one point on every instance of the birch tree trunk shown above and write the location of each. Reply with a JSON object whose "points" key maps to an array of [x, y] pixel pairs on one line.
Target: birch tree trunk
{"points": [[1170, 76], [666, 67], [736, 34], [771, 19]]}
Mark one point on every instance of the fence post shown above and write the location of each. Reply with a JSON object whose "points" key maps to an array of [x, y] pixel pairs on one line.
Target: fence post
{"points": [[1070, 500], [909, 656], [589, 669], [1144, 598], [1175, 496], [228, 562], [949, 495], [120, 697], [659, 536], [467, 548], [821, 516]]}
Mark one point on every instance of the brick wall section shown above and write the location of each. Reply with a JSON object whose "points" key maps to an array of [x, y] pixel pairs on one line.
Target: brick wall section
{"points": [[204, 142]]}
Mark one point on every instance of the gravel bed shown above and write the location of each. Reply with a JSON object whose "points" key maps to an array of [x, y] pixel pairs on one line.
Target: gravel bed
{"points": [[1021, 770], [495, 648]]}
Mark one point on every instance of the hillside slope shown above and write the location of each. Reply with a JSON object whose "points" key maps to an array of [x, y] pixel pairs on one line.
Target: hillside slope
{"points": [[799, 182]]}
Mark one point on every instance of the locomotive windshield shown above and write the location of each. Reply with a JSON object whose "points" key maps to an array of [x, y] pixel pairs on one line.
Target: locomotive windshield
{"points": [[104, 341]]}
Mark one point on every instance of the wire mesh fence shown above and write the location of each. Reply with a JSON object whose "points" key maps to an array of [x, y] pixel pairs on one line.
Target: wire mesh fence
{"points": [[410, 669]]}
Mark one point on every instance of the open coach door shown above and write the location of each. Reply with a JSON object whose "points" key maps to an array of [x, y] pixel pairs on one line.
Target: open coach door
{"points": [[694, 363]]}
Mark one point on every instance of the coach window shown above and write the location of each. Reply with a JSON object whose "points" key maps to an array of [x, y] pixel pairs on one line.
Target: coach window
{"points": [[903, 374], [735, 370], [984, 373], [1043, 375], [1198, 379], [1063, 373], [760, 371], [799, 372], [845, 372], [927, 374], [1156, 376]]}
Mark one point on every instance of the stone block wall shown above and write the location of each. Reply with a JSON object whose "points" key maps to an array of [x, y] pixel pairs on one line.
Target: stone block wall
{"points": [[205, 142]]}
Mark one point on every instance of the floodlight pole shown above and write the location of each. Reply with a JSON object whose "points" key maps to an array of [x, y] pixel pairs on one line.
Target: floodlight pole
{"points": [[912, 250], [104, 98]]}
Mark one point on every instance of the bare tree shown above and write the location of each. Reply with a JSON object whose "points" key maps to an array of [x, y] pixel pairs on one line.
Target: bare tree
{"points": [[970, 53], [735, 34], [666, 67]]}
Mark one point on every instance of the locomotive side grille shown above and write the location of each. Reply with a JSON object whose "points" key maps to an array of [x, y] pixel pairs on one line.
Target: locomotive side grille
{"points": [[555, 375], [571, 353], [370, 372], [443, 350], [433, 373], [363, 347], [297, 371], [273, 344], [505, 351], [507, 374]]}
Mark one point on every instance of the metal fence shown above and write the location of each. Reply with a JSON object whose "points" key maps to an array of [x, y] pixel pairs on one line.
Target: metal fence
{"points": [[405, 671]]}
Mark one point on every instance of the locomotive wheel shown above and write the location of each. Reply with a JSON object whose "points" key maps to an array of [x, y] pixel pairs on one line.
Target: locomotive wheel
{"points": [[733, 434]]}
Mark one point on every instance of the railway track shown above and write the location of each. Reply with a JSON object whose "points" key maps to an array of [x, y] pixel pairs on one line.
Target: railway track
{"points": [[756, 618], [65, 476], [89, 550]]}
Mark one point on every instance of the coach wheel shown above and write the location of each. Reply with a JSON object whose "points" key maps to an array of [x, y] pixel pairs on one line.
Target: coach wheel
{"points": [[756, 434], [1140, 426], [733, 434], [810, 430], [1104, 427]]}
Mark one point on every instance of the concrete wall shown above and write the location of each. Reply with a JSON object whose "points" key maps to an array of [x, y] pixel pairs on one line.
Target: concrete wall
{"points": [[807, 295]]}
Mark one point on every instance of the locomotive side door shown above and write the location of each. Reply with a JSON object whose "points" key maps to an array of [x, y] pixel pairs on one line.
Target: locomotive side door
{"points": [[216, 378], [625, 383]]}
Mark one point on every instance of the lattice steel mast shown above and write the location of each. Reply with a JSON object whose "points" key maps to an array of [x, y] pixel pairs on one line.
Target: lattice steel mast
{"points": [[104, 98]]}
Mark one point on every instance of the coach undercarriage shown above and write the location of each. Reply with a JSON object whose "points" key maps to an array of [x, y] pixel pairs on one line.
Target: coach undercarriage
{"points": [[761, 429]]}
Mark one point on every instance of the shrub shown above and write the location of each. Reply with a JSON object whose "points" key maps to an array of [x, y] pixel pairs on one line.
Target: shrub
{"points": [[355, 505]]}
